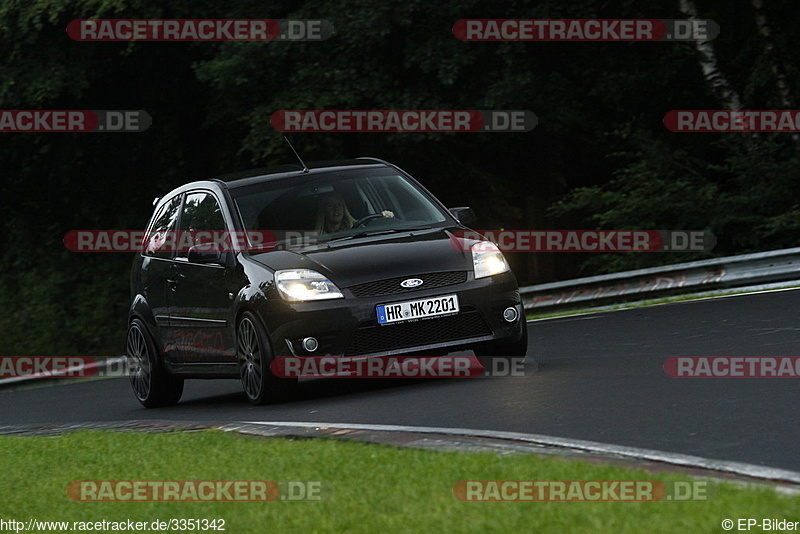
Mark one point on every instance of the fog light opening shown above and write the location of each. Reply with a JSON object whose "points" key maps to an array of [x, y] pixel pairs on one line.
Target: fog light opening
{"points": [[310, 344], [510, 314]]}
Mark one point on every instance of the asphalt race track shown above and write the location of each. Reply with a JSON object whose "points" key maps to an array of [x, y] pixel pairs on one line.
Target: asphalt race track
{"points": [[599, 378]]}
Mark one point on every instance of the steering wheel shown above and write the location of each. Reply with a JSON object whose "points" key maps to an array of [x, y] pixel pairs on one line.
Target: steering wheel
{"points": [[364, 220]]}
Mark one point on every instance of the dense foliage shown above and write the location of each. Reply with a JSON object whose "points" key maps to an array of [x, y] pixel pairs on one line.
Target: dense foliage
{"points": [[600, 156]]}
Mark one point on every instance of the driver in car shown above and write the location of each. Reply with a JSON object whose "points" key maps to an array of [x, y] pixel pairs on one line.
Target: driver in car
{"points": [[333, 215]]}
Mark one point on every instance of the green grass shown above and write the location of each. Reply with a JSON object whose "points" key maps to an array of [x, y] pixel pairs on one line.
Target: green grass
{"points": [[370, 488]]}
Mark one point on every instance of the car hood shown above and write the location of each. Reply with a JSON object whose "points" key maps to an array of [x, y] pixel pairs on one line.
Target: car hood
{"points": [[379, 257]]}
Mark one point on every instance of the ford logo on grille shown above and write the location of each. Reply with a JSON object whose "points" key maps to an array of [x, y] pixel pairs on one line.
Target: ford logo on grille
{"points": [[411, 282]]}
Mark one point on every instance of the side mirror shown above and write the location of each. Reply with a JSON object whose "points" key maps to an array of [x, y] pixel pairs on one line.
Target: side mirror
{"points": [[207, 253], [464, 215]]}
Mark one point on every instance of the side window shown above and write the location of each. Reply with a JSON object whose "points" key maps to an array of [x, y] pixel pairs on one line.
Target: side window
{"points": [[161, 233], [202, 216]]}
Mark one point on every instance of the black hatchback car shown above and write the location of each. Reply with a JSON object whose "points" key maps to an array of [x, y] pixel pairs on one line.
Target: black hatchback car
{"points": [[361, 261]]}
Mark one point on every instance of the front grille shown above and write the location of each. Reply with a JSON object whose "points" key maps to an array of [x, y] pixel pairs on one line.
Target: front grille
{"points": [[392, 286], [376, 338]]}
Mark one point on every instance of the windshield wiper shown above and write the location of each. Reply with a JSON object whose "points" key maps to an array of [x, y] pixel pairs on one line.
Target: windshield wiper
{"points": [[361, 234], [378, 232]]}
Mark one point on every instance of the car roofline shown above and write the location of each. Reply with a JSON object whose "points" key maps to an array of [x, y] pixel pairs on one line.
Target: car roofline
{"points": [[268, 174]]}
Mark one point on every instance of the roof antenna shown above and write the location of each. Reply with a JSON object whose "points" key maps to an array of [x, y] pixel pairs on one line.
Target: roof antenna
{"points": [[303, 163]]}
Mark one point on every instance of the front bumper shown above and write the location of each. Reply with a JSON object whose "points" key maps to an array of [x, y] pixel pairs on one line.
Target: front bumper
{"points": [[349, 326]]}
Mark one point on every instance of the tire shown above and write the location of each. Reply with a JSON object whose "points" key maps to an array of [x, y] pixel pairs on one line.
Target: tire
{"points": [[253, 356], [153, 386]]}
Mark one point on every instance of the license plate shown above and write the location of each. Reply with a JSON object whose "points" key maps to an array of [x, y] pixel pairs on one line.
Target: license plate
{"points": [[417, 309]]}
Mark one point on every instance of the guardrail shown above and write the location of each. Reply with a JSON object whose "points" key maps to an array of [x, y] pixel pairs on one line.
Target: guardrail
{"points": [[704, 275]]}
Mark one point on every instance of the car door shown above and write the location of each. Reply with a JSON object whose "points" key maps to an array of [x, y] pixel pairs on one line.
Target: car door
{"points": [[201, 294], [156, 269]]}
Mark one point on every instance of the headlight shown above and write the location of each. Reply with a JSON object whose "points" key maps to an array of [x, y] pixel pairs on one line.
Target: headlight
{"points": [[303, 284], [488, 260]]}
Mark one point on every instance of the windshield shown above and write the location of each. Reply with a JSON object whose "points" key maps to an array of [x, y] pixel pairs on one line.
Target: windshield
{"points": [[304, 210]]}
